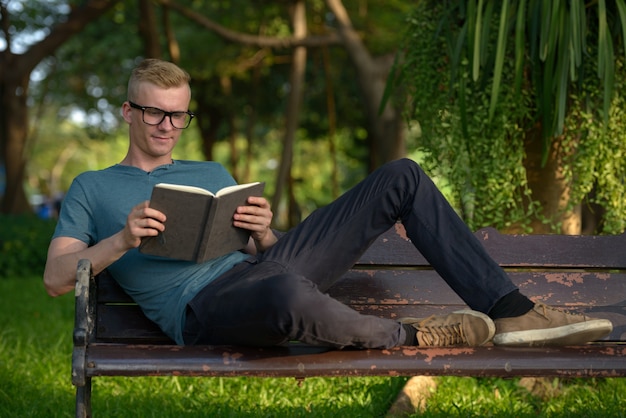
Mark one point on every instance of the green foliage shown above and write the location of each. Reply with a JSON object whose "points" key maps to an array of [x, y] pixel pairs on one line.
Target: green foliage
{"points": [[31, 16], [598, 170], [61, 150], [481, 160], [89, 72], [312, 168], [480, 147], [550, 40], [24, 243], [378, 22]]}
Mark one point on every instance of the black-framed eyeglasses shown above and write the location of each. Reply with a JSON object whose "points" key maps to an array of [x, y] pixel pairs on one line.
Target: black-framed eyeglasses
{"points": [[154, 116]]}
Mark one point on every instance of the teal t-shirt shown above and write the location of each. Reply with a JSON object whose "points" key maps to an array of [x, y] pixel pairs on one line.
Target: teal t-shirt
{"points": [[96, 206]]}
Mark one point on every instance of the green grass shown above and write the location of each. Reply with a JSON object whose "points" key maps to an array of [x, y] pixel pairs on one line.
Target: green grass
{"points": [[35, 356]]}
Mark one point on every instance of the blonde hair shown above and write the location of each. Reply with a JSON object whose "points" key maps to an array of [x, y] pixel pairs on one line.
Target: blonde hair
{"points": [[161, 73]]}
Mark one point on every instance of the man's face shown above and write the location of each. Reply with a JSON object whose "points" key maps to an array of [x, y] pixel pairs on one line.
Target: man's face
{"points": [[155, 142]]}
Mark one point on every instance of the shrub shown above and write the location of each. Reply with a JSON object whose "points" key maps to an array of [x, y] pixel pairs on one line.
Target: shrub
{"points": [[24, 243]]}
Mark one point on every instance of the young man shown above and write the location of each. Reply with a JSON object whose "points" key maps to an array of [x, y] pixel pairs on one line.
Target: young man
{"points": [[274, 292]]}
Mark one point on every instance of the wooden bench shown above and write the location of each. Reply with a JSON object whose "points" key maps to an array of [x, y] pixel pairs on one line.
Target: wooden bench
{"points": [[580, 273]]}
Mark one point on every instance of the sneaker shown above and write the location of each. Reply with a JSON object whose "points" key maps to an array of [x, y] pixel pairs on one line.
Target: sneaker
{"points": [[545, 325], [466, 328]]}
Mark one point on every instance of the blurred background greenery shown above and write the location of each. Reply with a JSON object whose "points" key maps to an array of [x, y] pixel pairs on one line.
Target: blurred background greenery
{"points": [[515, 106]]}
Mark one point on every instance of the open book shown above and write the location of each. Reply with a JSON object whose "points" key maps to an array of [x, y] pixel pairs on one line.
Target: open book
{"points": [[199, 224]]}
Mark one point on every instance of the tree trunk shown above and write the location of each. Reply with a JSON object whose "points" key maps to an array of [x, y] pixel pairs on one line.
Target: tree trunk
{"points": [[173, 47], [294, 103], [14, 132], [385, 128], [15, 73], [148, 29], [332, 125], [549, 186]]}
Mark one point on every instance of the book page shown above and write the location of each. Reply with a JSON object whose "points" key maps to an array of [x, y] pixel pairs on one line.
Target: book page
{"points": [[230, 189], [184, 188]]}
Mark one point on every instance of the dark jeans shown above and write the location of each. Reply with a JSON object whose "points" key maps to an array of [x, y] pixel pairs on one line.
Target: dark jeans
{"points": [[279, 295]]}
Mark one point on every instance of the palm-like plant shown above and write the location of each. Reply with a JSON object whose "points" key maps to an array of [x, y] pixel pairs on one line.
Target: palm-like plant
{"points": [[522, 72], [551, 41]]}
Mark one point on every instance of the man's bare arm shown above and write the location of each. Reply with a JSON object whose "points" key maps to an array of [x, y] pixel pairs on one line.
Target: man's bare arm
{"points": [[63, 255], [64, 252]]}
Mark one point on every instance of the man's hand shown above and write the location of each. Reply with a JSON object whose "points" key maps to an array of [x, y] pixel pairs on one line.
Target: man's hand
{"points": [[142, 221], [257, 218]]}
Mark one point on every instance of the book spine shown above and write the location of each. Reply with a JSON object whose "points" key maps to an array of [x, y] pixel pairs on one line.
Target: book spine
{"points": [[209, 218]]}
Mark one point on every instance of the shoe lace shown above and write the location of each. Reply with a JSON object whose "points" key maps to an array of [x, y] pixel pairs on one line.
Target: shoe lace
{"points": [[440, 335]]}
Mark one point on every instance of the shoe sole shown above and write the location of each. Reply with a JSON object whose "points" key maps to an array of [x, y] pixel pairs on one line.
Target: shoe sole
{"points": [[573, 334]]}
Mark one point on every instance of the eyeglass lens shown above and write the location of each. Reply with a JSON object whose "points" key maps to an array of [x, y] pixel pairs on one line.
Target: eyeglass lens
{"points": [[154, 116]]}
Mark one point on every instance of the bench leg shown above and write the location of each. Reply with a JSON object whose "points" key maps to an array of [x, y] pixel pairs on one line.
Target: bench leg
{"points": [[83, 400]]}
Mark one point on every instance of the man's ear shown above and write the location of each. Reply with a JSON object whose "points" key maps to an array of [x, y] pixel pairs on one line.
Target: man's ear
{"points": [[126, 111]]}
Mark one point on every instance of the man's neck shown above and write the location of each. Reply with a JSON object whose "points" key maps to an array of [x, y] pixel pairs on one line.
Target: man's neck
{"points": [[148, 165]]}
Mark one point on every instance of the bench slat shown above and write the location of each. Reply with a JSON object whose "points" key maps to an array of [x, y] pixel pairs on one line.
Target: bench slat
{"points": [[582, 251], [416, 286], [303, 361], [127, 323], [585, 251]]}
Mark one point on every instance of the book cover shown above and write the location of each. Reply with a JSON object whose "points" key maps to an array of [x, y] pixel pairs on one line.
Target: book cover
{"points": [[199, 224]]}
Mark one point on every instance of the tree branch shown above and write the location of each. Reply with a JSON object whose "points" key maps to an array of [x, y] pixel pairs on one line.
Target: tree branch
{"points": [[252, 40], [78, 18]]}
